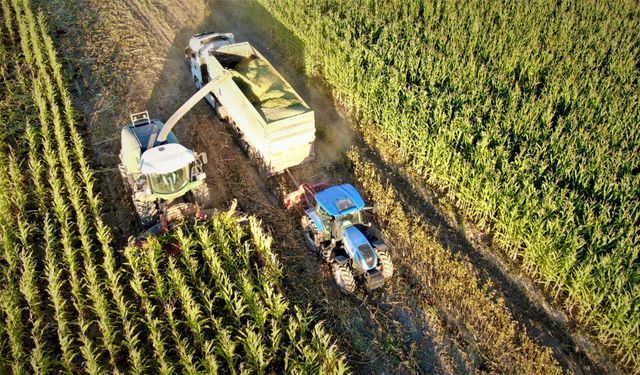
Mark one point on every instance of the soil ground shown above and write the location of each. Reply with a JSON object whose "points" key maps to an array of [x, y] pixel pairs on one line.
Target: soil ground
{"points": [[127, 56]]}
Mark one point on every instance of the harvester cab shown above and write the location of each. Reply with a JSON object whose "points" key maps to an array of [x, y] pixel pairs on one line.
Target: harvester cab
{"points": [[160, 171], [334, 226]]}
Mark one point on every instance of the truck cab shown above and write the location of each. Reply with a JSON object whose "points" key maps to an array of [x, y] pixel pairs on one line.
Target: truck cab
{"points": [[197, 64]]}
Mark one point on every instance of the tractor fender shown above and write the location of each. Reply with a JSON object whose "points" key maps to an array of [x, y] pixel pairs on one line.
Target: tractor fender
{"points": [[341, 259], [379, 244], [311, 212]]}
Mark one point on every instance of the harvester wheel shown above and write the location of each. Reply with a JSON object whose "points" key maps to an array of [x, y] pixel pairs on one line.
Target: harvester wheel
{"points": [[202, 196], [125, 178], [147, 213], [385, 264], [343, 276]]}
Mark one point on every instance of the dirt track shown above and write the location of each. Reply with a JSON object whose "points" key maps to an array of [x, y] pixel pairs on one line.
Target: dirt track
{"points": [[128, 56]]}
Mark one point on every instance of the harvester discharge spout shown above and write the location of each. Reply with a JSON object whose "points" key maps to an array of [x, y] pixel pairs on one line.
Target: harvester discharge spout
{"points": [[186, 107]]}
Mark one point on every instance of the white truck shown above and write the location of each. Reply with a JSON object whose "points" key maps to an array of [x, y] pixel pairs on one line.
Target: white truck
{"points": [[273, 122]]}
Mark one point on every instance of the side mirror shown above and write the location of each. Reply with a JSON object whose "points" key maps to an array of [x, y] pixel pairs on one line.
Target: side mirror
{"points": [[373, 208]]}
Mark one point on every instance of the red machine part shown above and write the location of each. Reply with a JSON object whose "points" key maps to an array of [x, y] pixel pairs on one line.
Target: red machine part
{"points": [[306, 192], [174, 215]]}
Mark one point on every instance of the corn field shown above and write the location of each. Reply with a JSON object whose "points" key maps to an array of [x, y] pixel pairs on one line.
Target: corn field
{"points": [[70, 302], [525, 113]]}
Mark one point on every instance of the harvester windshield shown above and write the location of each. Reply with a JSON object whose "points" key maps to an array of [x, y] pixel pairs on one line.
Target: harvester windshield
{"points": [[167, 167], [168, 183]]}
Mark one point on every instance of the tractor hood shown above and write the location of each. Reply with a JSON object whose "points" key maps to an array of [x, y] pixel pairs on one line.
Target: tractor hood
{"points": [[359, 249], [165, 159]]}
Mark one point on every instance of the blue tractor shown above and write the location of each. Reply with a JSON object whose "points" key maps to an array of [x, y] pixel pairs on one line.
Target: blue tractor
{"points": [[335, 227]]}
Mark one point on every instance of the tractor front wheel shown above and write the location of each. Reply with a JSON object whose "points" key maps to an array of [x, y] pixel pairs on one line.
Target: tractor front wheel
{"points": [[309, 232], [343, 276], [384, 263]]}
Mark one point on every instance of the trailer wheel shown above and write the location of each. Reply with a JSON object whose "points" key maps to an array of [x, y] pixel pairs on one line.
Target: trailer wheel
{"points": [[384, 263], [147, 213], [343, 276], [221, 112]]}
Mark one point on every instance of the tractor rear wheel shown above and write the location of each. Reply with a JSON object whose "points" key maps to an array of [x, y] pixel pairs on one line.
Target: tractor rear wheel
{"points": [[147, 213], [384, 263], [343, 276]]}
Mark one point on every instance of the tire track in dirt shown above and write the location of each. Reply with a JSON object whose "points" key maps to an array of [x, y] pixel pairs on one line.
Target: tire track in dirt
{"points": [[140, 11]]}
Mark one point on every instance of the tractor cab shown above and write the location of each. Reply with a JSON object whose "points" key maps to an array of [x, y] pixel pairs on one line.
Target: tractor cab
{"points": [[339, 207]]}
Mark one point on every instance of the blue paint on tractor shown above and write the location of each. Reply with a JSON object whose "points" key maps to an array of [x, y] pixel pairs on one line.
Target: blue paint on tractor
{"points": [[315, 218], [340, 200], [359, 248]]}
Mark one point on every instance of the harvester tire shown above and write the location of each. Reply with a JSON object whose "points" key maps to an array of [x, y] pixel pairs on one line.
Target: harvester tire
{"points": [[125, 179], [202, 196], [385, 264], [343, 277], [147, 213]]}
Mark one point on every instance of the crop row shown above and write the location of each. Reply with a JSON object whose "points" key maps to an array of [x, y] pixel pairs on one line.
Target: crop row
{"points": [[525, 114], [69, 302]]}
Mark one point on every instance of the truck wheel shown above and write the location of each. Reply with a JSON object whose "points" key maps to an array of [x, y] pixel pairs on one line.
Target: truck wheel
{"points": [[384, 263], [187, 56], [202, 196], [147, 213], [344, 277]]}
